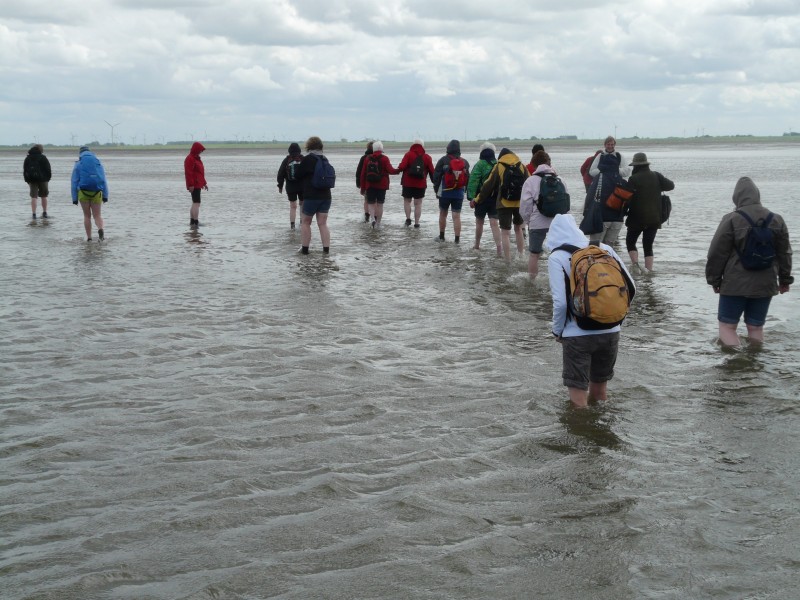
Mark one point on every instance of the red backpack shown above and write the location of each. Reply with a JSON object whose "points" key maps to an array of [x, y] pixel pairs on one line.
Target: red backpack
{"points": [[455, 177]]}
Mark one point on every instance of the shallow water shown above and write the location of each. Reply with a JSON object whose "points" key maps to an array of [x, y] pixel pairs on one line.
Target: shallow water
{"points": [[213, 415]]}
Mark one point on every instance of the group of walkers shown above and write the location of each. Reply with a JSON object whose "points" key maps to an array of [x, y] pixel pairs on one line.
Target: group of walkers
{"points": [[748, 262]]}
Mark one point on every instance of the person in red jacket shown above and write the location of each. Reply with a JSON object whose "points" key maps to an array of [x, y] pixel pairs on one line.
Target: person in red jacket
{"points": [[195, 181], [416, 166], [375, 181], [587, 164], [530, 165]]}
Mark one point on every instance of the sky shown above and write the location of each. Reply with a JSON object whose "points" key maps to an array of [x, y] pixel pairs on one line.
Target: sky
{"points": [[153, 71]]}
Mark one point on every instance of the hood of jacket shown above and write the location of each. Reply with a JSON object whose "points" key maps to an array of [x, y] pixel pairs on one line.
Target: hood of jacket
{"points": [[197, 148], [487, 154], [417, 149], [294, 149], [35, 150], [454, 148], [746, 193], [544, 169], [507, 157], [564, 230]]}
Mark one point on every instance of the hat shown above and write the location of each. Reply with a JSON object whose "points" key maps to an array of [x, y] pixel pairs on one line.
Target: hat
{"points": [[639, 160], [83, 149]]}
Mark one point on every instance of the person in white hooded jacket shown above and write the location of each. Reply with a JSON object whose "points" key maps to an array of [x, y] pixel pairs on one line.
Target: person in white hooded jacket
{"points": [[589, 356]]}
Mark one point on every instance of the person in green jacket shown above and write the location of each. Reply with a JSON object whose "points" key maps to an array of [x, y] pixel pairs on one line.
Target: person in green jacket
{"points": [[480, 172]]}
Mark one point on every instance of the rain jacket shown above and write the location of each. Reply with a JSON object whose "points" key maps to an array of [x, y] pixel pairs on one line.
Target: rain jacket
{"points": [[36, 167], [530, 197], [292, 187], [453, 151], [408, 159], [564, 230], [644, 210], [494, 183], [723, 267], [484, 166], [386, 170], [306, 174], [193, 167]]}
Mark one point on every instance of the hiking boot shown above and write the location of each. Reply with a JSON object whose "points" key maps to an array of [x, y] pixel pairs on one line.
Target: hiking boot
{"points": [[408, 222], [100, 234], [44, 215], [34, 216], [366, 217], [416, 225]]}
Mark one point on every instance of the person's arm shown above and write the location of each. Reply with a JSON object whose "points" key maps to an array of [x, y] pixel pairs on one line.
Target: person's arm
{"points": [[783, 252], [74, 183], [594, 171], [722, 244], [48, 173], [282, 174], [558, 290], [474, 179], [387, 165], [105, 181], [489, 184], [25, 168], [665, 184], [624, 169], [436, 179]]}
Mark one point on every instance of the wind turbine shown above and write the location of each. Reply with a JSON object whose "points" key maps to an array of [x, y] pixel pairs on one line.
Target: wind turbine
{"points": [[112, 130]]}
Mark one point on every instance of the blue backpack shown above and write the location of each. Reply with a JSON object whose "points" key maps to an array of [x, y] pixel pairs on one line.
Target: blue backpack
{"points": [[324, 176], [90, 177], [759, 246]]}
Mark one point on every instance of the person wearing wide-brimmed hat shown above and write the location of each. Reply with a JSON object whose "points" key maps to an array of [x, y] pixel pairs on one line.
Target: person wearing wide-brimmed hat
{"points": [[644, 211]]}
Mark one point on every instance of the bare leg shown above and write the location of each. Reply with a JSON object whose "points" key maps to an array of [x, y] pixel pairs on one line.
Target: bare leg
{"points": [[194, 212], [520, 239], [98, 219], [417, 210], [44, 204], [755, 334], [597, 390], [728, 335], [87, 219], [33, 205], [407, 207], [457, 223], [494, 224], [478, 233], [442, 221], [324, 232], [634, 254], [305, 230], [505, 239], [578, 397], [378, 211], [292, 212], [648, 263], [533, 266]]}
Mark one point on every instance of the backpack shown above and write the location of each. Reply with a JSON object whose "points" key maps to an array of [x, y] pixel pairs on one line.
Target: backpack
{"points": [[513, 180], [292, 168], [32, 170], [620, 196], [90, 179], [759, 246], [324, 176], [417, 168], [666, 208], [455, 177], [553, 197], [599, 291], [374, 171]]}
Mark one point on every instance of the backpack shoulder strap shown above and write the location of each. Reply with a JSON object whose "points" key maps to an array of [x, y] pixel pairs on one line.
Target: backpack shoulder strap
{"points": [[567, 248], [747, 217]]}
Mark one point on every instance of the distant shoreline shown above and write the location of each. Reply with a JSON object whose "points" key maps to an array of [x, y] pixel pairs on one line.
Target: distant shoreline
{"points": [[555, 143]]}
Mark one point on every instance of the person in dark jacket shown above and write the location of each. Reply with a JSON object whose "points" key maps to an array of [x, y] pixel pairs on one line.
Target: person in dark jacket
{"points": [[450, 187], [36, 172], [743, 291], [644, 211], [316, 201], [375, 181], [195, 174], [360, 166], [287, 175], [413, 183]]}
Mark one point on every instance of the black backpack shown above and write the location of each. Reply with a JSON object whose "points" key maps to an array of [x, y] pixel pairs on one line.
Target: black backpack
{"points": [[553, 197], [417, 168], [292, 168], [759, 245], [513, 180], [33, 172], [374, 172]]}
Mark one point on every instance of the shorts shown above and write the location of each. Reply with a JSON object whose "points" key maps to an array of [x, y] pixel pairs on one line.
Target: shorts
{"points": [[755, 310], [312, 207], [413, 192], [38, 189], [589, 358], [453, 204], [486, 209], [609, 234], [507, 215], [196, 196], [90, 197], [375, 196], [536, 240], [294, 196]]}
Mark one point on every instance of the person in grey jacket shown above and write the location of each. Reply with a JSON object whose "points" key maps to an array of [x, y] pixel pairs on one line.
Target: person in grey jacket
{"points": [[743, 291]]}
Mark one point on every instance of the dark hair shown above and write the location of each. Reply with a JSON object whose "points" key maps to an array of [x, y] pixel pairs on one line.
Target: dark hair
{"points": [[541, 158], [314, 143], [536, 148]]}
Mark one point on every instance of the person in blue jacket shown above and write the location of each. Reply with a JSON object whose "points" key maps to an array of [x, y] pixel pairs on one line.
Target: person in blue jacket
{"points": [[90, 189]]}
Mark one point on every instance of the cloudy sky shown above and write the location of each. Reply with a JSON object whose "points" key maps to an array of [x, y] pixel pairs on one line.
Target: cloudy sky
{"points": [[165, 70]]}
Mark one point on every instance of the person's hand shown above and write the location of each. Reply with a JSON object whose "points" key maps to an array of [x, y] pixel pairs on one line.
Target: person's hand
{"points": [[105, 199], [783, 288], [716, 289], [205, 187], [75, 202], [472, 203], [190, 188], [280, 190]]}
